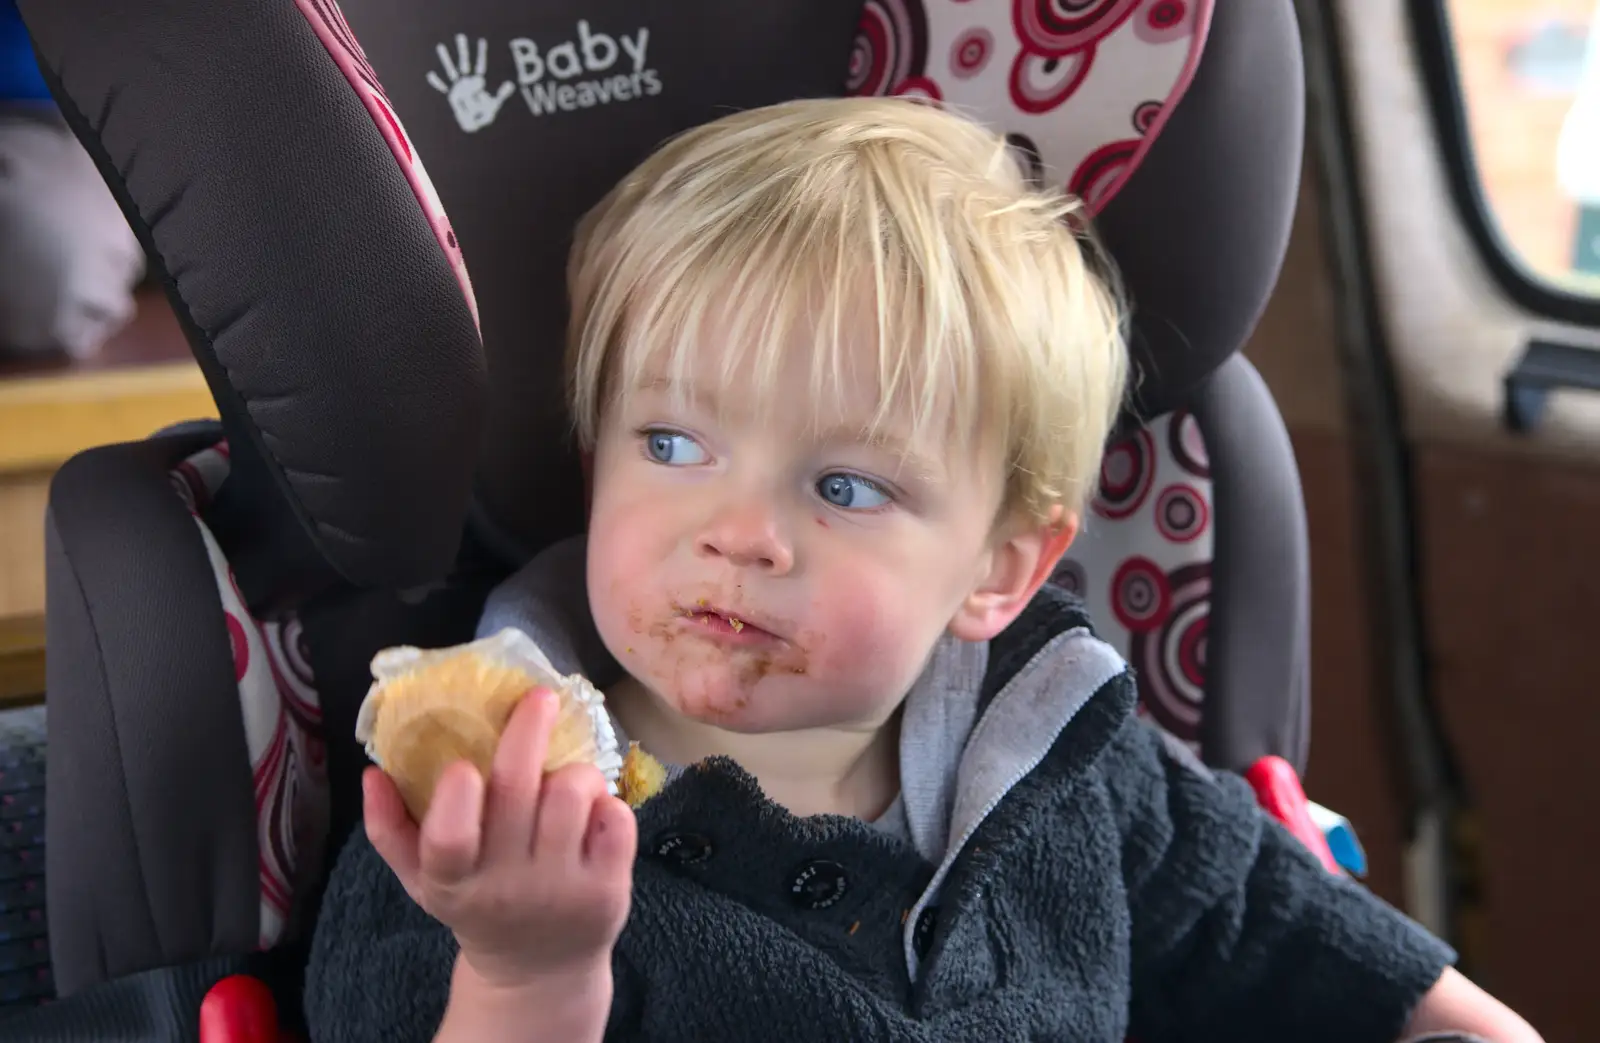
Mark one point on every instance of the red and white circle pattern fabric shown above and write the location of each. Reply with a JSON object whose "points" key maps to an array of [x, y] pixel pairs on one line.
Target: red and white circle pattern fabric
{"points": [[280, 711], [1169, 656], [891, 47], [1127, 473], [1089, 82], [1142, 566]]}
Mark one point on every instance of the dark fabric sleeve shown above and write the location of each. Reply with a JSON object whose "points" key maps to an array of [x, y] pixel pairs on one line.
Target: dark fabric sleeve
{"points": [[380, 967], [1238, 933]]}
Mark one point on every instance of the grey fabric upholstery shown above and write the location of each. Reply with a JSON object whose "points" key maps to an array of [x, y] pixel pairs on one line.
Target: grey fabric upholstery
{"points": [[1258, 656], [710, 57], [1219, 185], [328, 322], [150, 827]]}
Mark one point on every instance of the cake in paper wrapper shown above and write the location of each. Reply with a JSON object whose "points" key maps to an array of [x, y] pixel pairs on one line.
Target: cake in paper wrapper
{"points": [[429, 708], [642, 776]]}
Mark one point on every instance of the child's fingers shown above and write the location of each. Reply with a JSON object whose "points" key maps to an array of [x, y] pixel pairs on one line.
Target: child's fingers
{"points": [[389, 826], [452, 830], [612, 839], [516, 777], [565, 807]]}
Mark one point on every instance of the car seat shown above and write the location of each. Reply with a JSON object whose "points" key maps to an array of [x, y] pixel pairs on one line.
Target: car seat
{"points": [[215, 592]]}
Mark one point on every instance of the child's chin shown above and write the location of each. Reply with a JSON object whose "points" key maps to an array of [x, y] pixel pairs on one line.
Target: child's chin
{"points": [[734, 715], [760, 716], [732, 710], [723, 693]]}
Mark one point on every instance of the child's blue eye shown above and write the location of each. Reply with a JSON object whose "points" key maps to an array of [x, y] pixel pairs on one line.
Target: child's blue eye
{"points": [[852, 492], [673, 449]]}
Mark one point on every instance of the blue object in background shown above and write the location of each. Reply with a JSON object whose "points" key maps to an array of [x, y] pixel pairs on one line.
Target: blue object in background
{"points": [[1550, 60], [19, 71], [1341, 837]]}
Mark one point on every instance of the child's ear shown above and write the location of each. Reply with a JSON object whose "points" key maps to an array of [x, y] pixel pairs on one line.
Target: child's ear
{"points": [[1022, 559]]}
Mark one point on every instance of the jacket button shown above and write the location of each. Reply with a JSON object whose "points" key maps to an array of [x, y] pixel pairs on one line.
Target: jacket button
{"points": [[683, 849], [922, 933], [818, 885]]}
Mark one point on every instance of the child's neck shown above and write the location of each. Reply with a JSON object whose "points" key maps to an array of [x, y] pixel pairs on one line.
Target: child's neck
{"points": [[816, 772]]}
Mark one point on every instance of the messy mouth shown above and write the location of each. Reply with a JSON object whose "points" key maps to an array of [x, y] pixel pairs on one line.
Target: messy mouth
{"points": [[718, 621]]}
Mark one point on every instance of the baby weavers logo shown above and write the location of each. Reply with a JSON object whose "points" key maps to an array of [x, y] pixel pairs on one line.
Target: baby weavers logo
{"points": [[578, 73]]}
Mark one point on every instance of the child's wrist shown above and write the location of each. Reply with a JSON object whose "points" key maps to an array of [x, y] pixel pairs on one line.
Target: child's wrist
{"points": [[567, 1004]]}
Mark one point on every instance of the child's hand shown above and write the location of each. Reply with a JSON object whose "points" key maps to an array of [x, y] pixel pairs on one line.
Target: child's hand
{"points": [[533, 873]]}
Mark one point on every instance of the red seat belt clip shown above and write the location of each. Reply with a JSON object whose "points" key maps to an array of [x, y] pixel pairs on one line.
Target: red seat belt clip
{"points": [[239, 1009], [1278, 791]]}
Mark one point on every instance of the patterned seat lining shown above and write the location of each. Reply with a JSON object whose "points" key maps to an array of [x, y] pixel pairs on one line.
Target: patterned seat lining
{"points": [[282, 719], [1143, 566], [1080, 88]]}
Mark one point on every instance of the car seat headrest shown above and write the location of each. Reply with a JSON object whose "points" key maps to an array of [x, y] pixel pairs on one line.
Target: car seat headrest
{"points": [[307, 259], [1200, 228], [1181, 122], [324, 307]]}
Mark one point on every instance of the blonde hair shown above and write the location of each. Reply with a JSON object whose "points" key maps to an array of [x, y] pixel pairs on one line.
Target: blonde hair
{"points": [[994, 308]]}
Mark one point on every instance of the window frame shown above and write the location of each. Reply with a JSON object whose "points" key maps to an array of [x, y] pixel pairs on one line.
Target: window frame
{"points": [[1434, 43]]}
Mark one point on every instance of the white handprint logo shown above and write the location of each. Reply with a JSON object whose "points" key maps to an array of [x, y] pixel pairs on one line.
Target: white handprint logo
{"points": [[468, 91]]}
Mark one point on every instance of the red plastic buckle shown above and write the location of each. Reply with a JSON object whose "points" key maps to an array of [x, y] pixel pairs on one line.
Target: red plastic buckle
{"points": [[1278, 791], [239, 1009]]}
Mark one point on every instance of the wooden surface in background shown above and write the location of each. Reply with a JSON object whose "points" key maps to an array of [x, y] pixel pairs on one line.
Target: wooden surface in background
{"points": [[21, 661], [22, 506], [44, 421], [144, 380]]}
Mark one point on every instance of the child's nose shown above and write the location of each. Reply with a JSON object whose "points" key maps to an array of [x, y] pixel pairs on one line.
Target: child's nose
{"points": [[748, 536]]}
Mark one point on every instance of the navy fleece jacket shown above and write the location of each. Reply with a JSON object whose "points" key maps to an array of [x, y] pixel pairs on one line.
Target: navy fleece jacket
{"points": [[1054, 870]]}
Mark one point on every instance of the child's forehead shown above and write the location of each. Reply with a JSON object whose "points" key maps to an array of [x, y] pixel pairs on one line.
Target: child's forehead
{"points": [[836, 381], [843, 410], [828, 358]]}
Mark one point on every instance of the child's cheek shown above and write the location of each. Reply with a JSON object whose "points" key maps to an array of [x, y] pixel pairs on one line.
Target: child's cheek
{"points": [[862, 637], [616, 570]]}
